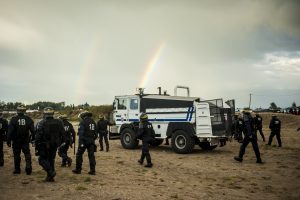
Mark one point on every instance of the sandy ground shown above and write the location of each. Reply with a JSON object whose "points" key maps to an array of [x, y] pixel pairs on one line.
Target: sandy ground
{"points": [[200, 175]]}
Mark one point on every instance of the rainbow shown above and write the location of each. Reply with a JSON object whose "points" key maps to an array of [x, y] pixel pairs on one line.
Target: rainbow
{"points": [[151, 65], [86, 69]]}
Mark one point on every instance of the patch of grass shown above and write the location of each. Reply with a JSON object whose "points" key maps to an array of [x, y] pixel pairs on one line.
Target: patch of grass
{"points": [[87, 179], [80, 187], [283, 166], [121, 162]]}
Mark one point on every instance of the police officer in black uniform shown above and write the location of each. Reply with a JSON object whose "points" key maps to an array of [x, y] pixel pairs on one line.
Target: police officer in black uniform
{"points": [[21, 133], [239, 129], [250, 136], [87, 136], [102, 125], [3, 132], [275, 126], [49, 136], [69, 141], [146, 134], [235, 126], [258, 125]]}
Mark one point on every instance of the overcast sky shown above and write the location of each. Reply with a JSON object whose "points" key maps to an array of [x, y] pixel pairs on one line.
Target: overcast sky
{"points": [[91, 51]]}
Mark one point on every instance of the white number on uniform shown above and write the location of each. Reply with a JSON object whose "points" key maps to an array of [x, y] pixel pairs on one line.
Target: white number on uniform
{"points": [[66, 128], [21, 122], [92, 127]]}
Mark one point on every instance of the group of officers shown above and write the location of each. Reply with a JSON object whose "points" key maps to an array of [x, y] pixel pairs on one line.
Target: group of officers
{"points": [[53, 134], [49, 135], [249, 126]]}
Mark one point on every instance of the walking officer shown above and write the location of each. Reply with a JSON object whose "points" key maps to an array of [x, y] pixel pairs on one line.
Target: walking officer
{"points": [[275, 126], [146, 134], [102, 125], [250, 136], [49, 136], [21, 133], [87, 136], [3, 132], [240, 128], [69, 141], [258, 126]]}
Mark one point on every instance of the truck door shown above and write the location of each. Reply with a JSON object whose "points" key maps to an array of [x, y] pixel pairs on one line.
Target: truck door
{"points": [[121, 112], [203, 120], [134, 110]]}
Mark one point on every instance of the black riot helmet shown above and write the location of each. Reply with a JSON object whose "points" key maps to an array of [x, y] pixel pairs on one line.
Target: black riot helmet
{"points": [[21, 109], [101, 117], [48, 112], [143, 117], [85, 114]]}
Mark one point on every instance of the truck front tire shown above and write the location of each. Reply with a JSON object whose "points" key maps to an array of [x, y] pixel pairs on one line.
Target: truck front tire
{"points": [[182, 142], [128, 139]]}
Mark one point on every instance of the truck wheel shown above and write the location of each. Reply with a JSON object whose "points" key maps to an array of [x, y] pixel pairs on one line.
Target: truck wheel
{"points": [[128, 139], [207, 146], [157, 142], [182, 142]]}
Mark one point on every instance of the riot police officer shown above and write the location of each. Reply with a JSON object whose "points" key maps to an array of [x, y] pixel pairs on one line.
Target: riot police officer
{"points": [[146, 134], [87, 136], [69, 141], [250, 136], [49, 136], [275, 126], [258, 125], [3, 132], [102, 125], [21, 133], [236, 127], [239, 129]]}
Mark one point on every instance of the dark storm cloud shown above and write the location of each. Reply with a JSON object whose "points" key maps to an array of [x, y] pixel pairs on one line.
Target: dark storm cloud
{"points": [[88, 49]]}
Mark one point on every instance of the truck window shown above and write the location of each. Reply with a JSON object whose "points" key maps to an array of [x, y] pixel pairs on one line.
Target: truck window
{"points": [[134, 104], [122, 104], [115, 104]]}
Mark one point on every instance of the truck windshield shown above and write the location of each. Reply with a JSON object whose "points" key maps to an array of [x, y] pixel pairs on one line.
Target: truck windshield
{"points": [[122, 104], [134, 104]]}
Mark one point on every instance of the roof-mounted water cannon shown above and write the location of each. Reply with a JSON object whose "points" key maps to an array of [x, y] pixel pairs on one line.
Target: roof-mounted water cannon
{"points": [[140, 91], [159, 90], [182, 87]]}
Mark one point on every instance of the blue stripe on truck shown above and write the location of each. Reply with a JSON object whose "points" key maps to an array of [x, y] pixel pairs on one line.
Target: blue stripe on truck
{"points": [[188, 118]]}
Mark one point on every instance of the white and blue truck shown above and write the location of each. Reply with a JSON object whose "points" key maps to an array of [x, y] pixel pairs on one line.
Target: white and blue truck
{"points": [[187, 121]]}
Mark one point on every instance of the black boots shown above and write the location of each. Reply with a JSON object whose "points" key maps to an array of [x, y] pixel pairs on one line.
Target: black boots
{"points": [[28, 170], [76, 171], [237, 158], [259, 161], [50, 176], [17, 171], [92, 172], [149, 165]]}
